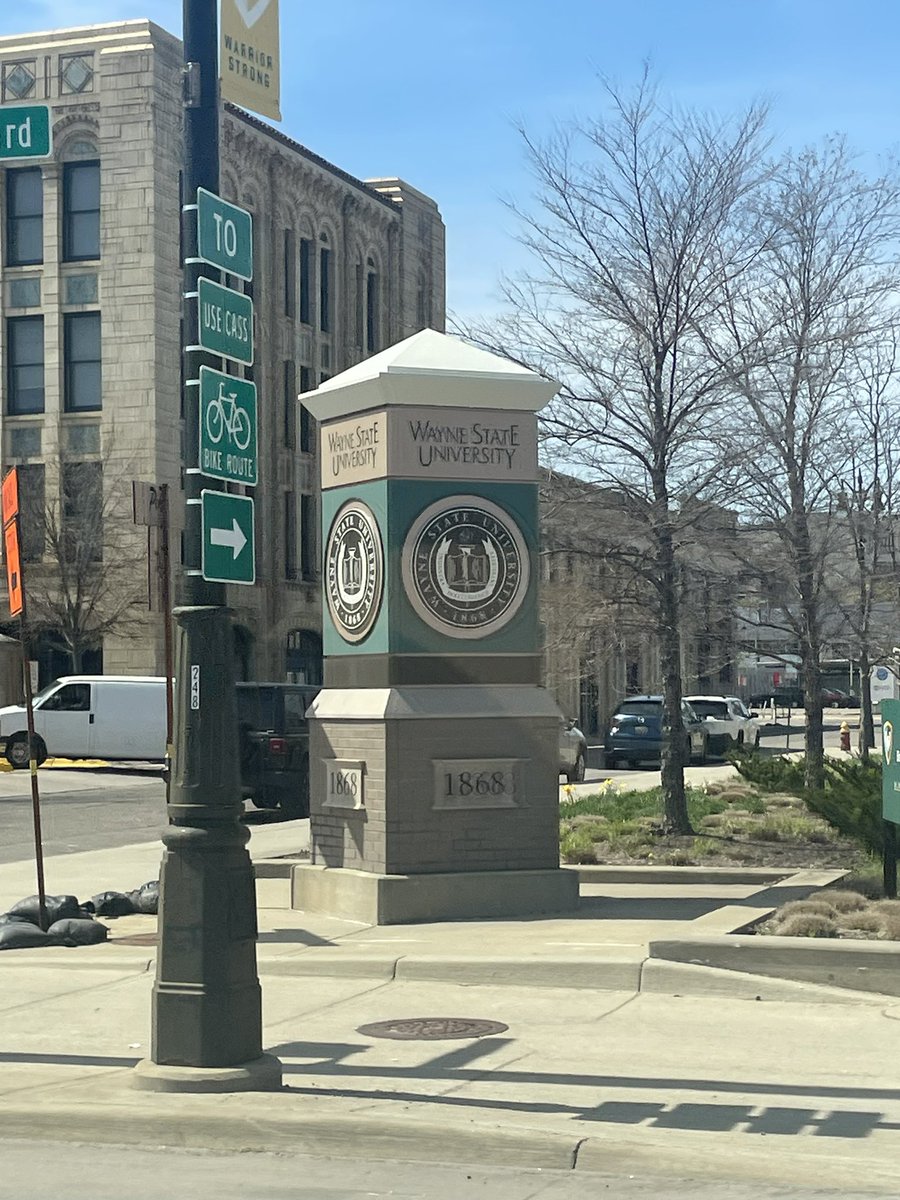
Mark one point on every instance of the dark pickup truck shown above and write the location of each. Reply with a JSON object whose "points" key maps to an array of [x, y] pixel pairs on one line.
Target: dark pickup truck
{"points": [[274, 745]]}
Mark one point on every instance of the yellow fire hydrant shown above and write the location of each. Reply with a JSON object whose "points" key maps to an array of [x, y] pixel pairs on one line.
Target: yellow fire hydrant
{"points": [[845, 736]]}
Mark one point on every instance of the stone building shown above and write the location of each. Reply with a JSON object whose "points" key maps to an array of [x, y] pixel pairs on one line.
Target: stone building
{"points": [[90, 337]]}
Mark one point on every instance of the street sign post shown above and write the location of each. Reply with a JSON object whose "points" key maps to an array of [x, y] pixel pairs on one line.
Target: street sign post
{"points": [[229, 550], [25, 132], [225, 322], [224, 235], [228, 428]]}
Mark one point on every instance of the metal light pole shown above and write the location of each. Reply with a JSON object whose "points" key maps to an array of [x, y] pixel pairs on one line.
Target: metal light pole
{"points": [[207, 1012]]}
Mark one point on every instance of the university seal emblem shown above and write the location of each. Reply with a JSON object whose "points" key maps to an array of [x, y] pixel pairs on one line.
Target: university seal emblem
{"points": [[354, 570], [465, 567]]}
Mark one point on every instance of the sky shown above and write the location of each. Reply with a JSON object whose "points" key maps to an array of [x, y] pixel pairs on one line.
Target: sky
{"points": [[433, 90]]}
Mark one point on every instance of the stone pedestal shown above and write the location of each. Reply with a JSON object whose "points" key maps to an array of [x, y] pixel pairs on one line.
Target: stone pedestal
{"points": [[434, 752]]}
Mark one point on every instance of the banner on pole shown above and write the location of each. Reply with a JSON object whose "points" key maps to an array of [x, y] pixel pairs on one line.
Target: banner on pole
{"points": [[249, 55]]}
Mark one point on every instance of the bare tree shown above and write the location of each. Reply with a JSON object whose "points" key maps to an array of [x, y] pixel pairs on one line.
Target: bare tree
{"points": [[816, 292], [635, 230], [88, 574]]}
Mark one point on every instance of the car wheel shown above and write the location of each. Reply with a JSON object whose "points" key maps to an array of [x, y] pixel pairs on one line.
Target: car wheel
{"points": [[576, 775], [17, 751]]}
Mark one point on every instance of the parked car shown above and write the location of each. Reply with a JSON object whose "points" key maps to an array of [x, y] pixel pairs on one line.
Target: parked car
{"points": [[635, 732], [572, 752], [273, 740], [778, 698], [728, 722]]}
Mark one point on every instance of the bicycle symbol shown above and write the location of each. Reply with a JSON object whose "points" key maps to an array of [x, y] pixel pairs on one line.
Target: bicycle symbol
{"points": [[223, 413]]}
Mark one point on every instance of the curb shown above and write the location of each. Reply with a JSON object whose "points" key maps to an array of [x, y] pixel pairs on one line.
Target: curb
{"points": [[700, 876], [861, 966]]}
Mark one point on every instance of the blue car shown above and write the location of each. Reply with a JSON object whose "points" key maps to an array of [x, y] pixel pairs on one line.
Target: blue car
{"points": [[635, 732]]}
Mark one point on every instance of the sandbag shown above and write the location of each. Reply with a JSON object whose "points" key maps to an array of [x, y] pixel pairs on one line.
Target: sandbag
{"points": [[59, 908], [14, 919], [23, 935], [146, 898], [112, 904], [77, 932]]}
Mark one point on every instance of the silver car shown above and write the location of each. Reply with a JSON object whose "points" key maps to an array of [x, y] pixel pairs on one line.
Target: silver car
{"points": [[572, 752]]}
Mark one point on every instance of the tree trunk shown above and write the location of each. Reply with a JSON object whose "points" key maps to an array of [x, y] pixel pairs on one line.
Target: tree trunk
{"points": [[866, 719], [675, 811]]}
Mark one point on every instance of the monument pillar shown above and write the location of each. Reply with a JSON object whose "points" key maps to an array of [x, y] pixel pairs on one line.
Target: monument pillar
{"points": [[434, 751]]}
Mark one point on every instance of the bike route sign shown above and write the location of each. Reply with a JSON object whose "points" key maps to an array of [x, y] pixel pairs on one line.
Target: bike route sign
{"points": [[225, 321], [228, 428], [229, 550], [224, 235]]}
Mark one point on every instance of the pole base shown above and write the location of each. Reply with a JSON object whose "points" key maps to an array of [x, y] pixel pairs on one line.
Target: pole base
{"points": [[262, 1074]]}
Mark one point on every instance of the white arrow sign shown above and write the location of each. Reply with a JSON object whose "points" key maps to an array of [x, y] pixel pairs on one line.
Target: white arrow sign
{"points": [[233, 537]]}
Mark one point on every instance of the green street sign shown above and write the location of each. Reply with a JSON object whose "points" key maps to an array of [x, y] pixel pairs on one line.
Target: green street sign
{"points": [[225, 322], [224, 235], [25, 132], [229, 550], [228, 428], [890, 769]]}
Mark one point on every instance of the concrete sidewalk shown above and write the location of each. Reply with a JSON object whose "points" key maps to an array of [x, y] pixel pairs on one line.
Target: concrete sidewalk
{"points": [[611, 1059]]}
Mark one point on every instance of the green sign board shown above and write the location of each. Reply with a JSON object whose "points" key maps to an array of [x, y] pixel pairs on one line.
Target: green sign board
{"points": [[224, 235], [228, 428], [225, 321], [890, 748], [229, 550], [25, 132]]}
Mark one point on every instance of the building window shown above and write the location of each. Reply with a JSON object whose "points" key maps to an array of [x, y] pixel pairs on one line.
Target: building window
{"points": [[325, 289], [305, 273], [32, 513], [290, 535], [25, 441], [82, 486], [303, 657], [308, 537], [290, 404], [290, 275], [24, 365], [81, 211], [360, 306], [82, 362], [305, 417], [372, 309], [24, 217]]}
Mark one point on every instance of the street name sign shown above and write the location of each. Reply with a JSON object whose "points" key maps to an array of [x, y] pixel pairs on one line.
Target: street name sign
{"points": [[229, 550], [224, 235], [228, 428], [225, 322], [25, 132]]}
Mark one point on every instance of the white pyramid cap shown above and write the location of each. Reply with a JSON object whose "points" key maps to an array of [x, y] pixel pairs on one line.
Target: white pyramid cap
{"points": [[430, 368]]}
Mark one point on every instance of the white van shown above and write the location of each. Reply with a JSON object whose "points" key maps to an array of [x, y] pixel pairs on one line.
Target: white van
{"points": [[90, 716]]}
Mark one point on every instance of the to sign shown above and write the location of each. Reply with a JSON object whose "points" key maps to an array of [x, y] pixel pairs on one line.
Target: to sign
{"points": [[228, 427], [224, 235], [25, 132], [229, 551], [890, 762], [225, 322]]}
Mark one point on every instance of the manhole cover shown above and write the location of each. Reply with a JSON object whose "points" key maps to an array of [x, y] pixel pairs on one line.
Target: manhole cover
{"points": [[431, 1029], [137, 939]]}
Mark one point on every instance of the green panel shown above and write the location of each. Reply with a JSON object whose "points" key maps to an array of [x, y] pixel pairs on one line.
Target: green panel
{"points": [[890, 745], [228, 427], [229, 551], [225, 321], [224, 235], [409, 634], [25, 132], [375, 496]]}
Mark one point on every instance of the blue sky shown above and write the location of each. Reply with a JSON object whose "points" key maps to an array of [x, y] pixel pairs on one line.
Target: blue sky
{"points": [[430, 89]]}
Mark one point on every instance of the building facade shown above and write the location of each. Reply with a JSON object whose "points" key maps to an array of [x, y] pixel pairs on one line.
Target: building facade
{"points": [[91, 336]]}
